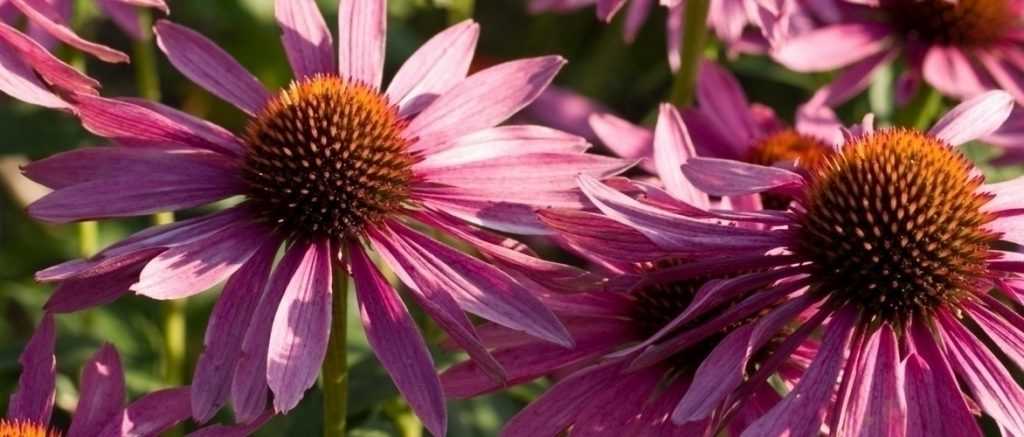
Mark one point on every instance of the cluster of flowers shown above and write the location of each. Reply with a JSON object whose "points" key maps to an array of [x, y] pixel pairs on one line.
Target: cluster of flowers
{"points": [[754, 278]]}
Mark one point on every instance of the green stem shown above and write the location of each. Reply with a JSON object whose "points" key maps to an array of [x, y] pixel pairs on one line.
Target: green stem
{"points": [[335, 367], [175, 335], [695, 33], [403, 419], [146, 76], [88, 238], [922, 110]]}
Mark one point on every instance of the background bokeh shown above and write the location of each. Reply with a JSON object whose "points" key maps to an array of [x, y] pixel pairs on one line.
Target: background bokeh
{"points": [[629, 79]]}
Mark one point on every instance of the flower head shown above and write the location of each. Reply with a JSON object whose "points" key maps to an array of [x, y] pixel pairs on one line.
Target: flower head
{"points": [[897, 246], [330, 167]]}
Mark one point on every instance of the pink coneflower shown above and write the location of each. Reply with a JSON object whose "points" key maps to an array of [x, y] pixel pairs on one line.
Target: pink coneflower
{"points": [[598, 393], [723, 125], [331, 166], [901, 251], [101, 411], [961, 48]]}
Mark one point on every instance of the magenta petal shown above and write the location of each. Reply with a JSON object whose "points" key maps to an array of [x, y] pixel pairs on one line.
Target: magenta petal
{"points": [[623, 138], [1003, 325], [483, 100], [949, 70], [723, 177], [992, 385], [98, 289], [673, 148], [249, 384], [151, 415], [80, 166], [935, 404], [210, 67], [397, 343], [236, 430], [18, 80], [193, 268], [33, 399], [52, 69], [875, 403], [556, 409], [529, 173], [606, 9], [42, 15], [225, 331], [480, 288], [718, 375], [306, 38], [974, 118], [631, 389], [720, 95], [833, 46], [801, 412], [437, 66], [302, 325], [101, 395], [500, 142], [565, 110], [207, 131], [362, 31], [596, 235], [124, 15]]}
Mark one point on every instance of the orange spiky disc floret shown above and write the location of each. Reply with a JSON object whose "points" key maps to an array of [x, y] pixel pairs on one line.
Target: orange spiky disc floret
{"points": [[964, 23], [326, 157], [24, 428], [894, 225], [788, 145]]}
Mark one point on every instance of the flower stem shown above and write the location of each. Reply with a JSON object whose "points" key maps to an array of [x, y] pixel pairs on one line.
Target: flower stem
{"points": [[922, 110], [335, 367], [146, 76], [175, 335], [695, 33]]}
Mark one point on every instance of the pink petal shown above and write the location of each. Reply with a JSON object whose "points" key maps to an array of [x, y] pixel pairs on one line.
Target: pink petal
{"points": [[606, 9], [362, 28], [151, 415], [950, 71], [723, 177], [992, 385], [833, 46], [396, 341], [237, 430], [124, 15], [222, 345], [500, 142], [563, 109], [673, 148], [509, 211], [935, 404], [99, 289], [306, 38], [302, 325], [623, 138], [876, 405], [52, 69], [33, 399], [101, 393], [134, 124], [718, 375], [210, 67], [81, 166], [193, 268], [207, 131], [631, 389], [483, 100], [249, 384], [720, 94], [636, 15], [480, 288], [1003, 325], [599, 236], [851, 82], [535, 172], [974, 118], [800, 413], [41, 15], [556, 409], [18, 80], [1007, 76], [159, 5], [437, 66]]}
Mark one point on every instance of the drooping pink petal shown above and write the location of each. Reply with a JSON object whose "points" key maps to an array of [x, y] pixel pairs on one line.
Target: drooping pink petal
{"points": [[636, 16], [1003, 325], [206, 130], [801, 412], [134, 124], [480, 288], [362, 29], [935, 404], [833, 46], [709, 138], [565, 110], [597, 235], [512, 211], [635, 388], [305, 37], [500, 142], [723, 177], [712, 377], [210, 67], [851, 82], [236, 430], [483, 100], [33, 399], [623, 138], [720, 95], [160, 5], [974, 118], [876, 405], [673, 148], [249, 384], [99, 289], [49, 67], [42, 15], [302, 325], [151, 415], [124, 15], [193, 268], [397, 343], [949, 70], [674, 36], [222, 344], [534, 172], [18, 80], [101, 393], [1006, 75], [606, 9], [991, 384], [437, 66]]}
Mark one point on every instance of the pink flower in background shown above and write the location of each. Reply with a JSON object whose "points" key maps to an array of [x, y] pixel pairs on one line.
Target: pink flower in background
{"points": [[895, 246], [101, 411], [601, 388], [331, 167], [961, 48]]}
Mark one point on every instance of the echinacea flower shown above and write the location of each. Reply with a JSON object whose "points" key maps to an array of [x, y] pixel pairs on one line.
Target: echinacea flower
{"points": [[905, 256], [961, 48], [597, 391], [331, 167], [100, 411]]}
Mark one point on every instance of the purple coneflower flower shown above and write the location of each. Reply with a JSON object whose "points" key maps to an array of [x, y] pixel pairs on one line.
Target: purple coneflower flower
{"points": [[101, 411], [899, 249], [598, 391], [332, 167], [961, 48]]}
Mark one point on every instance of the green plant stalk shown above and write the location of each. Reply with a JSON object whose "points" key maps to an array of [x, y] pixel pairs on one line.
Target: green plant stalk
{"points": [[335, 367], [695, 34], [403, 419], [175, 327], [922, 110], [146, 76]]}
